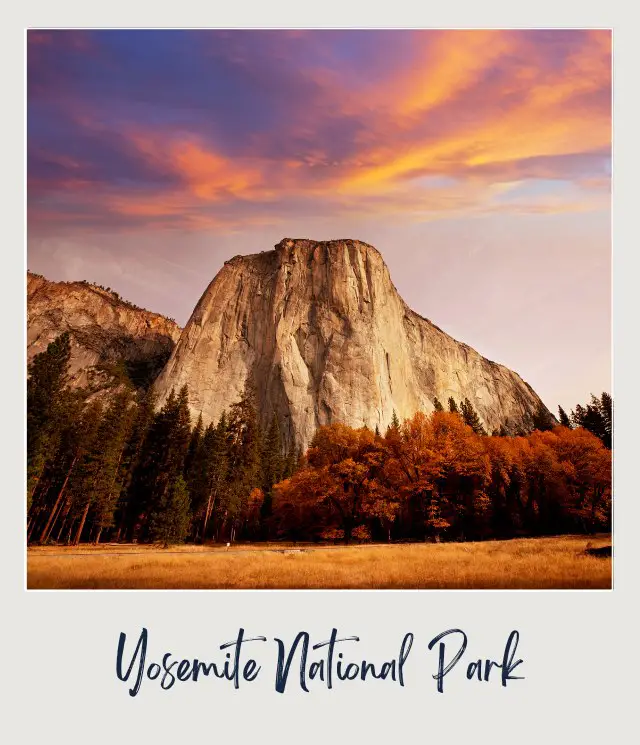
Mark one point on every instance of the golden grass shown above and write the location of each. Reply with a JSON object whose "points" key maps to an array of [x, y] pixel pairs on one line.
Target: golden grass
{"points": [[524, 563]]}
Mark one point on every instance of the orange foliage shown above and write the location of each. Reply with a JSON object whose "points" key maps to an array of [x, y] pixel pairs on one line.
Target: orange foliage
{"points": [[434, 477]]}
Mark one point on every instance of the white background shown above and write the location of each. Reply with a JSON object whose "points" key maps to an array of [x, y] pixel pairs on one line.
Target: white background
{"points": [[579, 648]]}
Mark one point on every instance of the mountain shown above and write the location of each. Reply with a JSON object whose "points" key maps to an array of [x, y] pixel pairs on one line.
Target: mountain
{"points": [[111, 340], [318, 328]]}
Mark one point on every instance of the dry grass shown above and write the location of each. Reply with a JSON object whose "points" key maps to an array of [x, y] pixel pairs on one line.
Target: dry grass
{"points": [[527, 563]]}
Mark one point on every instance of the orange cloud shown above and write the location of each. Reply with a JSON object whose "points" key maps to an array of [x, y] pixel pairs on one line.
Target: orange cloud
{"points": [[548, 117], [452, 62], [208, 175], [471, 106]]}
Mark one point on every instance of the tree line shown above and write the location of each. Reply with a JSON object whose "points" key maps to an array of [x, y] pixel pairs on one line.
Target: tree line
{"points": [[122, 471], [118, 470]]}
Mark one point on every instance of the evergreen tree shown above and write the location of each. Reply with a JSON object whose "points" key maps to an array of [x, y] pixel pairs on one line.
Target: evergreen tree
{"points": [[244, 447], [194, 444], [453, 406], [272, 465], [127, 510], [564, 418], [395, 423], [163, 456], [290, 463], [171, 517], [377, 431], [437, 405], [96, 485], [215, 446], [596, 417], [606, 409], [542, 419], [54, 496], [48, 401], [471, 418]]}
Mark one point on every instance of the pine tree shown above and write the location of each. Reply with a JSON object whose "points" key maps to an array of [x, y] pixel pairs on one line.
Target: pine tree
{"points": [[542, 419], [163, 456], [54, 496], [596, 417], [215, 446], [244, 447], [194, 444], [272, 466], [564, 418], [290, 462], [453, 406], [128, 507], [171, 518], [114, 430], [96, 486], [437, 405], [48, 401], [377, 431], [471, 418], [606, 409], [395, 423]]}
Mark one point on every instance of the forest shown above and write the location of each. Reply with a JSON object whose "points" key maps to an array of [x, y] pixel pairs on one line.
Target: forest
{"points": [[118, 470]]}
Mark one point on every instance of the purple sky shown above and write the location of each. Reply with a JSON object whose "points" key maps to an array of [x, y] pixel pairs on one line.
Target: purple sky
{"points": [[477, 162]]}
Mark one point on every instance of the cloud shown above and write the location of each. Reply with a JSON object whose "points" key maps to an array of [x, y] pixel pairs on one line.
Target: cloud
{"points": [[218, 129]]}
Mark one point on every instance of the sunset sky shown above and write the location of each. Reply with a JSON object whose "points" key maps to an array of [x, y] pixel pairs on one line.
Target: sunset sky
{"points": [[477, 162]]}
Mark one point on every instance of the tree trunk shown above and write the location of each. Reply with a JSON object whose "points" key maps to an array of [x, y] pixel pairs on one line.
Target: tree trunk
{"points": [[76, 540], [68, 539], [63, 525], [207, 515], [98, 535], [37, 481], [54, 512], [33, 521]]}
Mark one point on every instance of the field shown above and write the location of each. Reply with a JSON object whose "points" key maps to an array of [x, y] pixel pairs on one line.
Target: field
{"points": [[524, 563]]}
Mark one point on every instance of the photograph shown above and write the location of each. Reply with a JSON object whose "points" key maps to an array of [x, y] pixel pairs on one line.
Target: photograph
{"points": [[318, 309]]}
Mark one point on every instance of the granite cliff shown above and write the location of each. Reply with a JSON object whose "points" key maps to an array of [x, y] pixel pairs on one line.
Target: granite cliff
{"points": [[109, 336], [321, 332]]}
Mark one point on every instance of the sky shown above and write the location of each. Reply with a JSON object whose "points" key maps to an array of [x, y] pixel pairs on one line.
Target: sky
{"points": [[477, 162]]}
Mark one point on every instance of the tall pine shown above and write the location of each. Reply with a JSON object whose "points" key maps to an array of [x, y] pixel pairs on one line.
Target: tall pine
{"points": [[48, 401], [564, 418], [471, 418]]}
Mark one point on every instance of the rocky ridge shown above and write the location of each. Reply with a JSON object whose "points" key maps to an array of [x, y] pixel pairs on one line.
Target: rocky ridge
{"points": [[320, 331], [109, 336]]}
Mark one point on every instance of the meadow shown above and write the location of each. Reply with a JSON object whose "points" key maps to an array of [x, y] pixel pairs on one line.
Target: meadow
{"points": [[559, 562]]}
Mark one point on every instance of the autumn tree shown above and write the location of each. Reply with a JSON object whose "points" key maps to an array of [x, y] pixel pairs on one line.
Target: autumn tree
{"points": [[339, 477]]}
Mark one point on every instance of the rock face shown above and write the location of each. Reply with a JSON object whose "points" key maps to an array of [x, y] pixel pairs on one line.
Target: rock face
{"points": [[105, 331], [321, 332]]}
